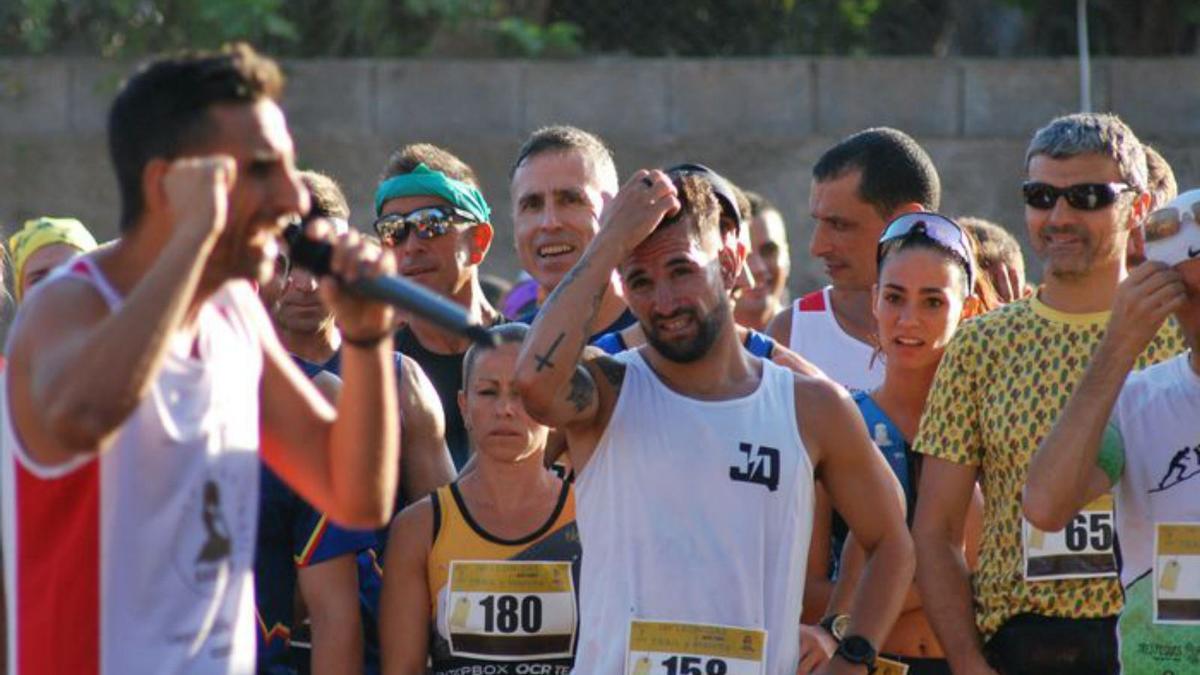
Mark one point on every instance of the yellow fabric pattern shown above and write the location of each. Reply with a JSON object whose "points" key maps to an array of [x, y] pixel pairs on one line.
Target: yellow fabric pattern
{"points": [[1000, 387], [41, 232], [457, 539]]}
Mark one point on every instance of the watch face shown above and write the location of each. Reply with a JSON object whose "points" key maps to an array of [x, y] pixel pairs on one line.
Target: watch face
{"points": [[840, 623], [857, 649]]}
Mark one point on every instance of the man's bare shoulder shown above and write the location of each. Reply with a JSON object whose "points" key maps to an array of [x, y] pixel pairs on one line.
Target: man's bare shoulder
{"points": [[817, 392], [780, 326], [55, 309]]}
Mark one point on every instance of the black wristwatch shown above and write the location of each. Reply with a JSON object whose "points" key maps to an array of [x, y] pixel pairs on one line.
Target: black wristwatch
{"points": [[858, 650], [836, 625]]}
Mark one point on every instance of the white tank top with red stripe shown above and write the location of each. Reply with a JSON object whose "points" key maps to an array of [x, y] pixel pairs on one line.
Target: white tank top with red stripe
{"points": [[139, 559], [818, 337]]}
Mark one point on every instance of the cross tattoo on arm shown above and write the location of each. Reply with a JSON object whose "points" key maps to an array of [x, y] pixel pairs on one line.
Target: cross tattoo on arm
{"points": [[543, 361]]}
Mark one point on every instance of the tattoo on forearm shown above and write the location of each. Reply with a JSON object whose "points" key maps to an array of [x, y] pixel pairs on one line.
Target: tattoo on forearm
{"points": [[544, 361], [582, 391], [612, 370]]}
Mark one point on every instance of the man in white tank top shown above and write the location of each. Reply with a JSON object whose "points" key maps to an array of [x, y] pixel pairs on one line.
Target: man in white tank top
{"points": [[142, 377], [858, 187], [1138, 436], [696, 460]]}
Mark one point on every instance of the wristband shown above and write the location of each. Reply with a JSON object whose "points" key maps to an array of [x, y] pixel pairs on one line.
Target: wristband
{"points": [[367, 342]]}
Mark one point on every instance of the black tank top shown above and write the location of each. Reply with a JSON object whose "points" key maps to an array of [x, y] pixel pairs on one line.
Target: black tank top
{"points": [[445, 372]]}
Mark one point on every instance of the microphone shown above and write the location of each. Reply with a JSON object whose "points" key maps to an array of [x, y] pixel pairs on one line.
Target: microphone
{"points": [[314, 256]]}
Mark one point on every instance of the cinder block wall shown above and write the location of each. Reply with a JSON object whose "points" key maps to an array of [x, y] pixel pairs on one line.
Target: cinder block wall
{"points": [[762, 122]]}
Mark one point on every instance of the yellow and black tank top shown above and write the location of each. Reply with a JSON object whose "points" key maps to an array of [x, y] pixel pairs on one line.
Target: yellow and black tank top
{"points": [[498, 601]]}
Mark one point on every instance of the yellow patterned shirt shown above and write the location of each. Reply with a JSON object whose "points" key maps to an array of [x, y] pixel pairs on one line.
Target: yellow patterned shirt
{"points": [[999, 389]]}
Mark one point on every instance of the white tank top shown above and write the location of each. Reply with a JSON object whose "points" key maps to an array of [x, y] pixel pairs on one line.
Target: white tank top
{"points": [[139, 559], [695, 512], [1158, 415], [818, 337]]}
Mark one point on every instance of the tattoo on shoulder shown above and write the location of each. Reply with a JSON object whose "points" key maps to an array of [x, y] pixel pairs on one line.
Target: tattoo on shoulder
{"points": [[611, 369], [582, 391]]}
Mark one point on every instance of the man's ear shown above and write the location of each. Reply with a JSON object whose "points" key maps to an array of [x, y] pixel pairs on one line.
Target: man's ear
{"points": [[731, 266], [480, 241], [154, 194], [1138, 210]]}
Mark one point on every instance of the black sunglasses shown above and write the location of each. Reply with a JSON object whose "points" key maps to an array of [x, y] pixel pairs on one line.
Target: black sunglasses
{"points": [[428, 222], [1083, 196]]}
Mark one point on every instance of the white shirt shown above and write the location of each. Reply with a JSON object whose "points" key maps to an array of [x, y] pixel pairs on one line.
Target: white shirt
{"points": [[818, 337], [694, 511], [139, 559]]}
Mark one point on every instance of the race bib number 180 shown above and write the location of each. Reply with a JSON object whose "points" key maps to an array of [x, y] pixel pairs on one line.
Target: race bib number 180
{"points": [[510, 611], [1081, 550], [662, 648]]}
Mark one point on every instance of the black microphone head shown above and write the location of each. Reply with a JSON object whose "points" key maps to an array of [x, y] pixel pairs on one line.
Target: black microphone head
{"points": [[310, 254]]}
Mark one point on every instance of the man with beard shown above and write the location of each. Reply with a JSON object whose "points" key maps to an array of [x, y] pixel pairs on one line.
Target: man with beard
{"points": [[1040, 604], [701, 570]]}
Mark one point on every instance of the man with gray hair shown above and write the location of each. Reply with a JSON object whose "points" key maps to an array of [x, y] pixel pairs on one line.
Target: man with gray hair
{"points": [[1040, 602]]}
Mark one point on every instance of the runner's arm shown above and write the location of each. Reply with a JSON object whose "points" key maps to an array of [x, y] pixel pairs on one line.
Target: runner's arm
{"points": [[404, 605], [862, 489], [425, 463], [556, 388], [330, 592], [1064, 474], [73, 395], [818, 589], [943, 499]]}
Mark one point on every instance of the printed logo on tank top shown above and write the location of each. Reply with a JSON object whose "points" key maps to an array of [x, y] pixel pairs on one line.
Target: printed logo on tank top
{"points": [[758, 465], [214, 532], [1184, 465]]}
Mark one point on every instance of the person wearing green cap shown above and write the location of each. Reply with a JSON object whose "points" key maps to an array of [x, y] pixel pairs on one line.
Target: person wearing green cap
{"points": [[43, 244], [432, 217]]}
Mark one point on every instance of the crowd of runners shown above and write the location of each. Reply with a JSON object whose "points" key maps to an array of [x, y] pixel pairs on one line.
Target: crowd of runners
{"points": [[215, 461]]}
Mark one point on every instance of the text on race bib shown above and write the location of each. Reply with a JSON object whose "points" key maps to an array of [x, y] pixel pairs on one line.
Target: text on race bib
{"points": [[1081, 550], [511, 610], [663, 648]]}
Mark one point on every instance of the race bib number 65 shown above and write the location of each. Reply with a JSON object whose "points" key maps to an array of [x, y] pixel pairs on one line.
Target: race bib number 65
{"points": [[662, 648], [1081, 550]]}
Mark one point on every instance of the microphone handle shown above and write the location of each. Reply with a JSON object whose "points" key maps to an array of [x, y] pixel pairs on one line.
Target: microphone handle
{"points": [[314, 256]]}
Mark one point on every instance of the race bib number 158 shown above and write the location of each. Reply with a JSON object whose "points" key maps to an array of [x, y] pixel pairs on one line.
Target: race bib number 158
{"points": [[663, 648]]}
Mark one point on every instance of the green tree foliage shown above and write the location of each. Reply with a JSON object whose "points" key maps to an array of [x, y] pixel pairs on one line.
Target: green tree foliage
{"points": [[557, 28]]}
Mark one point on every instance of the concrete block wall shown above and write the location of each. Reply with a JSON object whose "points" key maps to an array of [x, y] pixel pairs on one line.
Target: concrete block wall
{"points": [[762, 122]]}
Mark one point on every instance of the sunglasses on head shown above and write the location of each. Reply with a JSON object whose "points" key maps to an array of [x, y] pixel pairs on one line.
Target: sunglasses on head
{"points": [[1166, 223], [1082, 196], [428, 222], [943, 231]]}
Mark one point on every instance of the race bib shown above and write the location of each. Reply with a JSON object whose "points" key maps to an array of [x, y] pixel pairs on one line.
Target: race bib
{"points": [[1177, 573], [510, 611], [1082, 550], [886, 666], [661, 648]]}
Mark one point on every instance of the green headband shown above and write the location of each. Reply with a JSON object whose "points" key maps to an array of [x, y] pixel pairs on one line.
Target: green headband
{"points": [[425, 181]]}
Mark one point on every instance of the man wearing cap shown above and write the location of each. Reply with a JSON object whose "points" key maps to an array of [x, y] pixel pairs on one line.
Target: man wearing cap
{"points": [[43, 244], [562, 179], [858, 186], [434, 220], [1140, 433], [1038, 602]]}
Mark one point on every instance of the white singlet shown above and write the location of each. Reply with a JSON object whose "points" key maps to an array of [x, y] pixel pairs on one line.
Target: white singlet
{"points": [[818, 337], [1158, 415], [139, 559], [694, 512]]}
